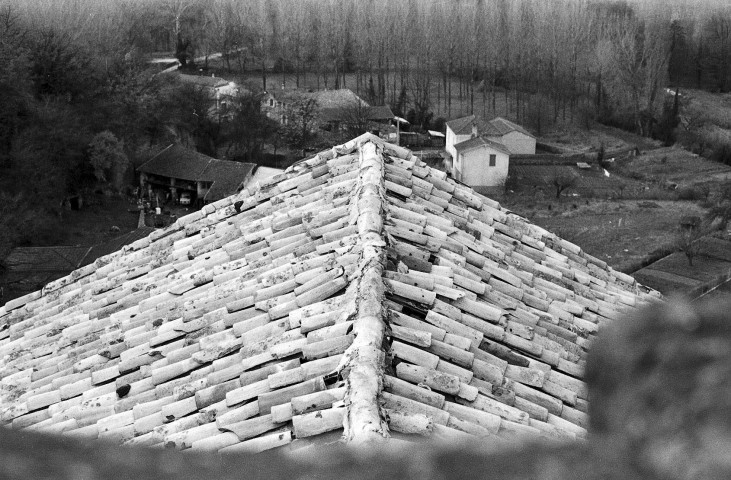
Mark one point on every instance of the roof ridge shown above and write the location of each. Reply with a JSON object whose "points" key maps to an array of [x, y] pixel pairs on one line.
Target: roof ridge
{"points": [[364, 360], [365, 357]]}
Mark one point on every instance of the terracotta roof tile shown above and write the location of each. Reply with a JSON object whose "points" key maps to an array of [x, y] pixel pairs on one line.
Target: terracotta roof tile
{"points": [[358, 293]]}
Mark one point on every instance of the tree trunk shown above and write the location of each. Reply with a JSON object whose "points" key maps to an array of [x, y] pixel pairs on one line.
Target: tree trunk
{"points": [[263, 74]]}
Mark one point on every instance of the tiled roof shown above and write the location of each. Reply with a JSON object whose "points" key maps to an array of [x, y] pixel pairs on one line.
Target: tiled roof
{"points": [[463, 125], [352, 112], [227, 177], [45, 259], [496, 127], [179, 162], [114, 244], [176, 161], [359, 295], [504, 126], [477, 142]]}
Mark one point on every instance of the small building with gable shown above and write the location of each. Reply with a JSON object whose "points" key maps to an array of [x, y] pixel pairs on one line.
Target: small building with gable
{"points": [[482, 164]]}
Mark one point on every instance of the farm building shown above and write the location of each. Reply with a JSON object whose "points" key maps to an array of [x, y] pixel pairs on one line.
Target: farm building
{"points": [[359, 297], [482, 164], [184, 173]]}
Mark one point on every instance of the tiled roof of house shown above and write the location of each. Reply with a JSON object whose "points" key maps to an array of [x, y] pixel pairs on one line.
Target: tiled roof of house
{"points": [[352, 113], [463, 125], [504, 126], [359, 295], [496, 127], [477, 142]]}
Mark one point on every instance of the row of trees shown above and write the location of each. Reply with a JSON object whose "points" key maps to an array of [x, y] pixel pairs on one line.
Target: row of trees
{"points": [[532, 60], [548, 60]]}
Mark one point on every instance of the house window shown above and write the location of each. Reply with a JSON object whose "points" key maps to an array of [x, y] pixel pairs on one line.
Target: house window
{"points": [[271, 102], [492, 159]]}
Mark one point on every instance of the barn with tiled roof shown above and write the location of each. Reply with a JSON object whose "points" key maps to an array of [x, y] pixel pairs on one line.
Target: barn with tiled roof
{"points": [[360, 296]]}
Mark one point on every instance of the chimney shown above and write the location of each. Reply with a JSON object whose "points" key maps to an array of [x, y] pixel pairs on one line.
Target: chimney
{"points": [[474, 130]]}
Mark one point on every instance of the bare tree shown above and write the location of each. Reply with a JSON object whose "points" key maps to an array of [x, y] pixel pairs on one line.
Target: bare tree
{"points": [[691, 230], [300, 121], [637, 62], [563, 179], [354, 117]]}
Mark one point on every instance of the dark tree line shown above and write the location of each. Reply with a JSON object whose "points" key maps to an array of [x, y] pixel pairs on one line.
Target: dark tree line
{"points": [[78, 112]]}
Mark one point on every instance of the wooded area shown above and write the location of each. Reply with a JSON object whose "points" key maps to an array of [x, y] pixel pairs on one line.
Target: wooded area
{"points": [[79, 102]]}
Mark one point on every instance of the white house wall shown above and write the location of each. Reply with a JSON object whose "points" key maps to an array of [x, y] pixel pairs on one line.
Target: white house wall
{"points": [[453, 140], [476, 172]]}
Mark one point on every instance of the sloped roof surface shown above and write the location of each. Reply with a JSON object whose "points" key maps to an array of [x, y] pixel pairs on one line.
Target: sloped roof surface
{"points": [[114, 244], [334, 98], [360, 295], [477, 142], [352, 112], [496, 127], [227, 176], [380, 112], [45, 259], [504, 126], [176, 161], [182, 163], [463, 126]]}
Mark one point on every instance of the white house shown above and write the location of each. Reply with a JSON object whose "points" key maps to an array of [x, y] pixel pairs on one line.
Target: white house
{"points": [[482, 164], [518, 140]]}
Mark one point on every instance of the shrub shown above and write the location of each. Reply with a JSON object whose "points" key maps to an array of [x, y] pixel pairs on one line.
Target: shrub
{"points": [[693, 193], [722, 153]]}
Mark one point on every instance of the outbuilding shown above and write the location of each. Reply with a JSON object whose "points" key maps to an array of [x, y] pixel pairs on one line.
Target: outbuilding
{"points": [[203, 179]]}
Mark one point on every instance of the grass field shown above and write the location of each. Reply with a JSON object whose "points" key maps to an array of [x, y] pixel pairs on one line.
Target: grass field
{"points": [[624, 233], [676, 165]]}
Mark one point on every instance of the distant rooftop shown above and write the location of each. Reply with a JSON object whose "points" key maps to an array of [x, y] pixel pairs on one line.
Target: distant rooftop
{"points": [[496, 127], [182, 163]]}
